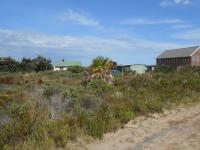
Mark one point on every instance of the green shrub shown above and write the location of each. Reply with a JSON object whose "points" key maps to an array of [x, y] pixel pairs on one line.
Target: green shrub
{"points": [[60, 132], [23, 123], [165, 69], [90, 103], [96, 127], [71, 92], [124, 114], [76, 69], [97, 84], [154, 105], [140, 107], [49, 91], [113, 125], [99, 87], [82, 118]]}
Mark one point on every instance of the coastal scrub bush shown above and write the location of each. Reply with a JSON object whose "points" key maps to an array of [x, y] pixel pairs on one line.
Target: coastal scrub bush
{"points": [[154, 104], [26, 120], [99, 87], [60, 132], [96, 127], [90, 103], [22, 123], [140, 107], [71, 92], [124, 114], [165, 69], [49, 91], [75, 69]]}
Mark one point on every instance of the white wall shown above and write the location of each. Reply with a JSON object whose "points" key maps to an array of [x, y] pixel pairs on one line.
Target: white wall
{"points": [[58, 69]]}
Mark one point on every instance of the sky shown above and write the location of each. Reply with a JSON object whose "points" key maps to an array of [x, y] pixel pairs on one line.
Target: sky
{"points": [[127, 31]]}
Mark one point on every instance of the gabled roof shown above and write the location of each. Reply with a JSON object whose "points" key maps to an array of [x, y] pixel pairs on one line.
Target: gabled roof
{"points": [[176, 53], [67, 63]]}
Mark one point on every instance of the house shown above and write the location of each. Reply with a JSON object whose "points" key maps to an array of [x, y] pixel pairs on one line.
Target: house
{"points": [[151, 68], [64, 65], [121, 68], [180, 57], [137, 68]]}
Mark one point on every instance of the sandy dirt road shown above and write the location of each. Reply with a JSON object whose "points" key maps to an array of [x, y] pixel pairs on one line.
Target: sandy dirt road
{"points": [[177, 129]]}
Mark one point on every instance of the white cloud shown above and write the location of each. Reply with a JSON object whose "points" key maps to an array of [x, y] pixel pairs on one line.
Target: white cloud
{"points": [[151, 21], [20, 38], [21, 43], [167, 3], [193, 34], [184, 2], [182, 26], [79, 18]]}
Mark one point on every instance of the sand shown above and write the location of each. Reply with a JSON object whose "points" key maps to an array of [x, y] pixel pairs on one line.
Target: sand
{"points": [[177, 129]]}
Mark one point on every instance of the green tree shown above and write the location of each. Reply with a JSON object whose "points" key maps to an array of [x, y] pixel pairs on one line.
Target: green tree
{"points": [[101, 67], [42, 64], [27, 65], [9, 65]]}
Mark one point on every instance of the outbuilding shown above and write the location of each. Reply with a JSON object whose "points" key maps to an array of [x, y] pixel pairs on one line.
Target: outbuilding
{"points": [[139, 68], [64, 65]]}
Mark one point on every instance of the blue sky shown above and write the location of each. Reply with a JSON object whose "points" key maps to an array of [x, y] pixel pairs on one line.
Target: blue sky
{"points": [[127, 31]]}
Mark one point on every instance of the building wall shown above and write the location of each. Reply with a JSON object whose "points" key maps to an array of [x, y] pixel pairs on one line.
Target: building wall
{"points": [[174, 62], [60, 68], [139, 69], [122, 68], [195, 59]]}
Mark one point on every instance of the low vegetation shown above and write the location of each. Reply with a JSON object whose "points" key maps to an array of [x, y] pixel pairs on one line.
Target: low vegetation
{"points": [[48, 109]]}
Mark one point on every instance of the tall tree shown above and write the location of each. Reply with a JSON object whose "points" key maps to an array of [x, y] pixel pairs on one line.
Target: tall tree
{"points": [[27, 65]]}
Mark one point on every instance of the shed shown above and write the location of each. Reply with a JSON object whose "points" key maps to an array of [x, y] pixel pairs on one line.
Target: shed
{"points": [[64, 65], [139, 68]]}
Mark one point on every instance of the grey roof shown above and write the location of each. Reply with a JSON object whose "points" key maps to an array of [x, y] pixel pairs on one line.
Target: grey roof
{"points": [[176, 53]]}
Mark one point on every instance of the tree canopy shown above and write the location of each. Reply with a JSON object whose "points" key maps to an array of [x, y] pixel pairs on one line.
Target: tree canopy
{"points": [[37, 64], [102, 65]]}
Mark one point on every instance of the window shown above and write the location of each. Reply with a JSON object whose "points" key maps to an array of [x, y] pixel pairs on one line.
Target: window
{"points": [[193, 59], [197, 58], [186, 59], [175, 60]]}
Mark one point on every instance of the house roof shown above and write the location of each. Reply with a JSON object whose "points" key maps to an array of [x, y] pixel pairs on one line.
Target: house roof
{"points": [[122, 65], [66, 63], [138, 65], [176, 53]]}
